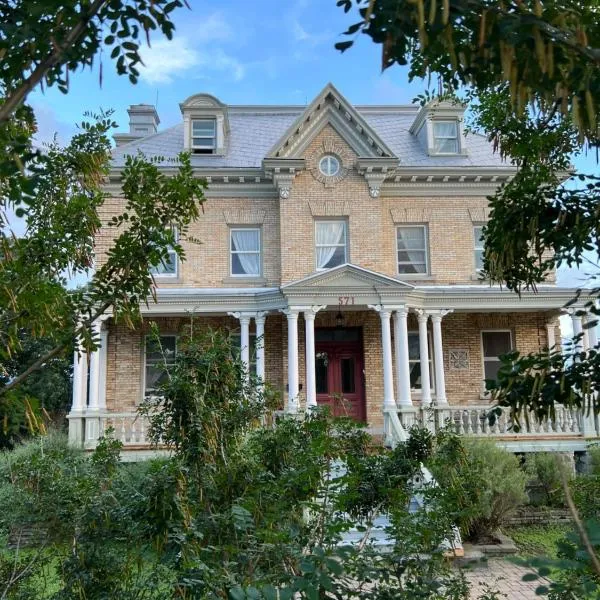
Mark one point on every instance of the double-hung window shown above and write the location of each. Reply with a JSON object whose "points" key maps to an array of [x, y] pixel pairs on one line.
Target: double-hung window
{"points": [[160, 354], [204, 136], [167, 267], [495, 344], [478, 247], [445, 137], [245, 252], [414, 361], [411, 243], [331, 244]]}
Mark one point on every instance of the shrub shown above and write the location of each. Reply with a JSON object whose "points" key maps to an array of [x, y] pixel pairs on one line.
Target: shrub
{"points": [[546, 470], [483, 483], [594, 452]]}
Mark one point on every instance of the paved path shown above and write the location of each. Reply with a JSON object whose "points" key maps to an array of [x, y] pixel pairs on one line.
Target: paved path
{"points": [[503, 576]]}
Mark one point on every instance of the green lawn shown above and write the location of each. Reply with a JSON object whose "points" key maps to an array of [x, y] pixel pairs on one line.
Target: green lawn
{"points": [[536, 540]]}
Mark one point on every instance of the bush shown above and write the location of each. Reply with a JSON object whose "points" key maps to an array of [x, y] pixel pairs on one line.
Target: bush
{"points": [[483, 483], [546, 470], [594, 452]]}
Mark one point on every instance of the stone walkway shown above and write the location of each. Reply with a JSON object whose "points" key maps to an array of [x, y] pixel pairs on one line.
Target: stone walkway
{"points": [[504, 577]]}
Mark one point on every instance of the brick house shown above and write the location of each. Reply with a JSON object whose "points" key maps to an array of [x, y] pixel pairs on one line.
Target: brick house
{"points": [[341, 244]]}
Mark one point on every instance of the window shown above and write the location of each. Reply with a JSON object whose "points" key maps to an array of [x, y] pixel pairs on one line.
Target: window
{"points": [[329, 165], [159, 355], [167, 266], [330, 244], [245, 252], [445, 137], [204, 136], [414, 361], [236, 340], [412, 249], [479, 246], [495, 344]]}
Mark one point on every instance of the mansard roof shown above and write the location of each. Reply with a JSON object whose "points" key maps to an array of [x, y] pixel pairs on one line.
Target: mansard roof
{"points": [[257, 132]]}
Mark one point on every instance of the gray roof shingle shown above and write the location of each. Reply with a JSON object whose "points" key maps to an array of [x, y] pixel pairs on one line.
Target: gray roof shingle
{"points": [[254, 133]]}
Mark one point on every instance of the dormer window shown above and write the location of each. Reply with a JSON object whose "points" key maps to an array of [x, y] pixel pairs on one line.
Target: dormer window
{"points": [[445, 137], [204, 136]]}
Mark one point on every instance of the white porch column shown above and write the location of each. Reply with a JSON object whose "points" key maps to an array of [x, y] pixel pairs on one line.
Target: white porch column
{"points": [[244, 319], [577, 329], [438, 350], [95, 368], [259, 320], [550, 334], [424, 358], [292, 323], [311, 379], [103, 350], [592, 331], [402, 364], [388, 363], [79, 403]]}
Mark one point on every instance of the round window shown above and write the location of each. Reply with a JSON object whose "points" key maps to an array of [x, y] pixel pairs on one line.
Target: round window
{"points": [[329, 165]]}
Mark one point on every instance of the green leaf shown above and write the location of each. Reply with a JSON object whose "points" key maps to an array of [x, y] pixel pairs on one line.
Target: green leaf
{"points": [[237, 593]]}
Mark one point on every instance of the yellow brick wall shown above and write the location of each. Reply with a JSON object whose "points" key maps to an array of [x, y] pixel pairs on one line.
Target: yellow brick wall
{"points": [[459, 330], [288, 232]]}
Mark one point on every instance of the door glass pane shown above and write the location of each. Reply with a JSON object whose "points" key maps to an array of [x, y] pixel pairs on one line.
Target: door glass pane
{"points": [[347, 369], [321, 365], [496, 343], [491, 369]]}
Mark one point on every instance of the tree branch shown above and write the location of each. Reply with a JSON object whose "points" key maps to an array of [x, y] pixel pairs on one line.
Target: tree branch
{"points": [[14, 99], [19, 379]]}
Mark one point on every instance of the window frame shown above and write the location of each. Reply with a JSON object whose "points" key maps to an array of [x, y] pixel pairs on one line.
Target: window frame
{"points": [[202, 148], [476, 247], [171, 250], [435, 137], [259, 252], [415, 390], [146, 393], [426, 249], [345, 245], [485, 359]]}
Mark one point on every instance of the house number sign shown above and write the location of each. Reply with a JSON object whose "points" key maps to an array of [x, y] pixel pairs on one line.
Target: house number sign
{"points": [[346, 300]]}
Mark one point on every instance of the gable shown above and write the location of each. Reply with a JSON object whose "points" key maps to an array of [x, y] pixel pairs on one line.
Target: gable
{"points": [[347, 276], [331, 108]]}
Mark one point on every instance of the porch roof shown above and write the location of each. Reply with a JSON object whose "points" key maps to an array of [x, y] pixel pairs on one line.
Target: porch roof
{"points": [[357, 287]]}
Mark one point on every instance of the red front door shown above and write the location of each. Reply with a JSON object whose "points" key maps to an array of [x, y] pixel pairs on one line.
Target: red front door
{"points": [[339, 372]]}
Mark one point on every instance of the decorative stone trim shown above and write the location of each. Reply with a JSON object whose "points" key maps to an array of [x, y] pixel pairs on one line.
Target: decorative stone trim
{"points": [[480, 214], [282, 172], [244, 217], [458, 359], [329, 208], [410, 215], [338, 150], [375, 171]]}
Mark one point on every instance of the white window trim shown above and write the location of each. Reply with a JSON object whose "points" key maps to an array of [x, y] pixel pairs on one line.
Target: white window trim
{"points": [[418, 391], [214, 137], [176, 260], [476, 246], [144, 364], [426, 240], [459, 143], [260, 253], [484, 393], [345, 245]]}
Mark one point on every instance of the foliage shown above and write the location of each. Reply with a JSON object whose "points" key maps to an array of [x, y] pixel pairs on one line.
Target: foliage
{"points": [[586, 494], [55, 193], [546, 52], [538, 540], [594, 456], [484, 483], [240, 509], [547, 471]]}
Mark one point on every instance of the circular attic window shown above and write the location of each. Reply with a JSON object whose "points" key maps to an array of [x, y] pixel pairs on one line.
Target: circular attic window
{"points": [[329, 165]]}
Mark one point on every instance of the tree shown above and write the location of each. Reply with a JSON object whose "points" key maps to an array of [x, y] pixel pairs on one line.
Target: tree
{"points": [[532, 70], [57, 192]]}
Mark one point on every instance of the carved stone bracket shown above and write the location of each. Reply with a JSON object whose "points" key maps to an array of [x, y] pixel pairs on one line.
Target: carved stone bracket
{"points": [[283, 172], [375, 171]]}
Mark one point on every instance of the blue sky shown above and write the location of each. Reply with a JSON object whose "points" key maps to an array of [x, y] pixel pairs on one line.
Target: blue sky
{"points": [[266, 52]]}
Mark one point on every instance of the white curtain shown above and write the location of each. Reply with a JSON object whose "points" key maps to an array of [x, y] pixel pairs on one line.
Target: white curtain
{"points": [[445, 137], [328, 236], [412, 241], [245, 242]]}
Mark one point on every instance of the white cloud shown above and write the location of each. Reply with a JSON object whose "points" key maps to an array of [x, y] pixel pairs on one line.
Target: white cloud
{"points": [[311, 39], [166, 60]]}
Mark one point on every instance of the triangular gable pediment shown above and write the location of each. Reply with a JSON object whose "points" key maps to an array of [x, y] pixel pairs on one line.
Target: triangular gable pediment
{"points": [[331, 108], [347, 277]]}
